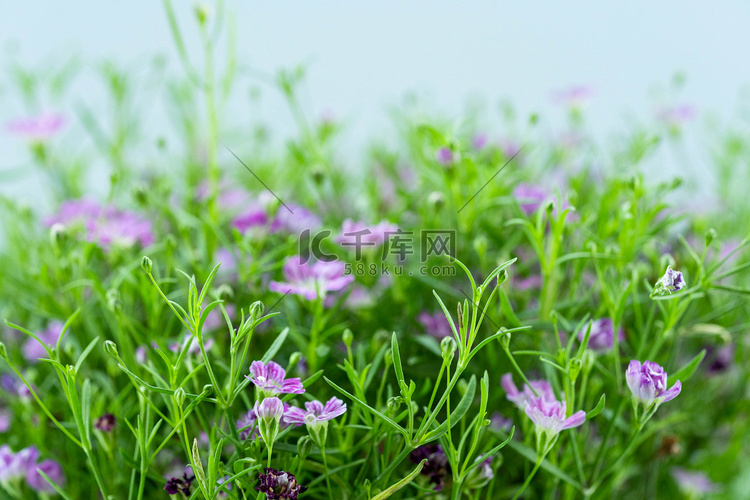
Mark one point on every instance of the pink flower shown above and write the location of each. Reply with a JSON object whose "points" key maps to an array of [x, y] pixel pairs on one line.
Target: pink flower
{"points": [[270, 379], [574, 97], [435, 324], [519, 398], [33, 350], [294, 221], [648, 384], [269, 409], [312, 281], [52, 469], [37, 128], [315, 412], [676, 115], [549, 416], [360, 234], [602, 336], [192, 345]]}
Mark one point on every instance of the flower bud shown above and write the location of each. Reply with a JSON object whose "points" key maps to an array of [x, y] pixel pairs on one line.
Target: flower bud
{"points": [[140, 193], [710, 236], [3, 352], [256, 309], [111, 349], [202, 12], [448, 347], [58, 233], [347, 337], [146, 264], [318, 174], [436, 200], [113, 299], [269, 412], [480, 245], [505, 338], [179, 396], [574, 368], [225, 292], [304, 446]]}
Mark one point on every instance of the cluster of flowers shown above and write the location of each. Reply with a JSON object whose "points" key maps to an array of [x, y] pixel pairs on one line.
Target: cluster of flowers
{"points": [[25, 464]]}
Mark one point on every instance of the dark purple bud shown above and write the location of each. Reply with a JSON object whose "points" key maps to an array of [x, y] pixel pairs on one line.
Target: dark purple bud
{"points": [[105, 423]]}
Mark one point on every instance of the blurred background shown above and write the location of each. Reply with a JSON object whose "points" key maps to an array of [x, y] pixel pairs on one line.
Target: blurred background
{"points": [[627, 64]]}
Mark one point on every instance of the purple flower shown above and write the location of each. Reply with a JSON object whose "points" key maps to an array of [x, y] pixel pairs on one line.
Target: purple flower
{"points": [[549, 416], [11, 386], [279, 485], [534, 281], [444, 156], [479, 141], [519, 398], [436, 468], [294, 223], [722, 360], [16, 465], [33, 350], [312, 281], [52, 469], [269, 409], [315, 413], [358, 234], [575, 96], [224, 490], [253, 216], [693, 483], [105, 226], [38, 128], [435, 324], [228, 198], [530, 197], [485, 469], [648, 384], [105, 423], [269, 379], [215, 319], [5, 420], [180, 484], [247, 426], [500, 422], [602, 336], [672, 280], [676, 115]]}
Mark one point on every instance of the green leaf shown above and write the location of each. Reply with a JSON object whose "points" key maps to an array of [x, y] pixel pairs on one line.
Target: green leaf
{"points": [[686, 371], [271, 352], [369, 408], [397, 486], [456, 413], [597, 409], [397, 365], [85, 353]]}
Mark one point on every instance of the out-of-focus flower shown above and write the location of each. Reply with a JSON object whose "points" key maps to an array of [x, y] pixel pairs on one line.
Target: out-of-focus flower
{"points": [[575, 96], [52, 469], [33, 350], [676, 115], [602, 336], [693, 483], [444, 156], [269, 379], [219, 482], [247, 425], [279, 485], [294, 223], [17, 465], [500, 422], [722, 359], [435, 324], [105, 423], [215, 319], [436, 468], [11, 386], [359, 234], [105, 226], [485, 468], [253, 216], [648, 384], [229, 197], [180, 484], [312, 281], [5, 419], [37, 128], [530, 197], [534, 281], [479, 141], [519, 398]]}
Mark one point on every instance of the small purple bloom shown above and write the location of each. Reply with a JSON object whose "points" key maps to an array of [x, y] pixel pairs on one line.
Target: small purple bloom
{"points": [[269, 409], [105, 423], [358, 234], [479, 141], [315, 413], [722, 360], [279, 485], [601, 338], [16, 465], [500, 422], [312, 281], [519, 398], [444, 156], [215, 319], [535, 281], [247, 426], [435, 324], [5, 420], [180, 484], [436, 468], [269, 378], [192, 345], [575, 96], [38, 128], [33, 350], [549, 416], [52, 469], [485, 469], [693, 483], [253, 216], [294, 223], [530, 197], [648, 384], [676, 115], [672, 280]]}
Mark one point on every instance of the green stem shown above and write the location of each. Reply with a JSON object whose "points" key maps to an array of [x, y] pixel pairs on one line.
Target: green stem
{"points": [[529, 477]]}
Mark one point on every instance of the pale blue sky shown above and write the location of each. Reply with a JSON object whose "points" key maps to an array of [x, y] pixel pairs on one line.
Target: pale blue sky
{"points": [[366, 55]]}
